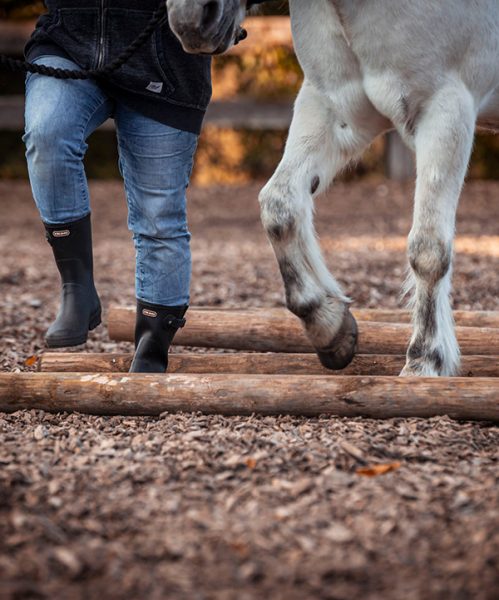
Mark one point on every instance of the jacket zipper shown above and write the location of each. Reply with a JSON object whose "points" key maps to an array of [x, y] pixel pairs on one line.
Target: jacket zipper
{"points": [[100, 58]]}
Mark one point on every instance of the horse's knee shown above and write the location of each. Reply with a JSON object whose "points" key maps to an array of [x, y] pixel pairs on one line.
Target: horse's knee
{"points": [[430, 257], [278, 212]]}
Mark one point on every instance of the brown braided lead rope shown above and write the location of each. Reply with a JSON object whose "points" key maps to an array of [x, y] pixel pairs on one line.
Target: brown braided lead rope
{"points": [[158, 18]]}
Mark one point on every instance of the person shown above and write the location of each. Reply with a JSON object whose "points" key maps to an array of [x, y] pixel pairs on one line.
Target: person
{"points": [[157, 99]]}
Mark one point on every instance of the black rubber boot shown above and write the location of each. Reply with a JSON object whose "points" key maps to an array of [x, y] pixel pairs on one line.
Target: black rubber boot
{"points": [[80, 308], [155, 329]]}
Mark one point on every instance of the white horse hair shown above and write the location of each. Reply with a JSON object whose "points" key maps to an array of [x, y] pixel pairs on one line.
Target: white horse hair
{"points": [[428, 69]]}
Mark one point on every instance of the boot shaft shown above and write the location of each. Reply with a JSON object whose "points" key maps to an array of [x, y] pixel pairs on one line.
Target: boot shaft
{"points": [[80, 309], [155, 329], [72, 248], [162, 321]]}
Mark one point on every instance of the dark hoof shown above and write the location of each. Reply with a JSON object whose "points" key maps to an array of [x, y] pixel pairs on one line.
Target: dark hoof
{"points": [[339, 354]]}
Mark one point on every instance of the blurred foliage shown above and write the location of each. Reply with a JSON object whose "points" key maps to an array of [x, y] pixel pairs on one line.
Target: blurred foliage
{"points": [[21, 9], [278, 7], [265, 73], [227, 156], [224, 156], [25, 9]]}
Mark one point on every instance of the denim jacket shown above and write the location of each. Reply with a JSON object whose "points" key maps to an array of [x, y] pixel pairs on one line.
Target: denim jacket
{"points": [[160, 80]]}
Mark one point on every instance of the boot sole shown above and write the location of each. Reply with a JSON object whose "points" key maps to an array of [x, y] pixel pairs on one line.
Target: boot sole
{"points": [[95, 321]]}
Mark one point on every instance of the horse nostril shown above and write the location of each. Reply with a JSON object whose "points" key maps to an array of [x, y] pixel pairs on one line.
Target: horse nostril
{"points": [[210, 14]]}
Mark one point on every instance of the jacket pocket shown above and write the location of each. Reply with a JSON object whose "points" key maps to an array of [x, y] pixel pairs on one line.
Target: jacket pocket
{"points": [[190, 73], [75, 30], [143, 73]]}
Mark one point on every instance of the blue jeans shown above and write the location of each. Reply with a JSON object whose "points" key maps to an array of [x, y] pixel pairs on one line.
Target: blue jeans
{"points": [[155, 161]]}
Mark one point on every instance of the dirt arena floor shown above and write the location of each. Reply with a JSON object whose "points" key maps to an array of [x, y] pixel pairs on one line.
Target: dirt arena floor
{"points": [[196, 507]]}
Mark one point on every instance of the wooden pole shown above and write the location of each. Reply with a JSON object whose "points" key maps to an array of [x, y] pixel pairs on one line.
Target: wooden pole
{"points": [[462, 318], [311, 395], [252, 363], [268, 331]]}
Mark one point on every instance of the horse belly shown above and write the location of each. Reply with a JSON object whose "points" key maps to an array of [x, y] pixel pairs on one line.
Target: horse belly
{"points": [[397, 100], [405, 58]]}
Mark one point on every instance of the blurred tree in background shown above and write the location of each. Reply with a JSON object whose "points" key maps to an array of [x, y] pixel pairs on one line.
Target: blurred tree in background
{"points": [[224, 155], [20, 9]]}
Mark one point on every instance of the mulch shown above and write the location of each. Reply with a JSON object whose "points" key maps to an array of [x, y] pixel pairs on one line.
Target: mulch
{"points": [[193, 506]]}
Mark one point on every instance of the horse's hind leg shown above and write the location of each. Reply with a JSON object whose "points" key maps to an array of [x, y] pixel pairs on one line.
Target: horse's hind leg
{"points": [[443, 142], [321, 141]]}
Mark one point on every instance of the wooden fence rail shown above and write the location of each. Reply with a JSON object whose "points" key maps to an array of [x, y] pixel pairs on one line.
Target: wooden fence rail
{"points": [[240, 114], [262, 32], [230, 114]]}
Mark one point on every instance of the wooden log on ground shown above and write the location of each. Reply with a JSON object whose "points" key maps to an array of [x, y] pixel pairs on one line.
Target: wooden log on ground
{"points": [[252, 363], [462, 318], [307, 395], [267, 331]]}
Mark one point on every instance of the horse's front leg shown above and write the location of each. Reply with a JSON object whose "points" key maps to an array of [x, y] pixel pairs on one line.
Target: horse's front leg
{"points": [[323, 138], [443, 141]]}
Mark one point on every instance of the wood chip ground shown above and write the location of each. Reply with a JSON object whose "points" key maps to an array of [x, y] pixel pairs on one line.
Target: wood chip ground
{"points": [[196, 507]]}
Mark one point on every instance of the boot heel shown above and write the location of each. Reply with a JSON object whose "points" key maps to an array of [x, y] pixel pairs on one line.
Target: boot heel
{"points": [[95, 321]]}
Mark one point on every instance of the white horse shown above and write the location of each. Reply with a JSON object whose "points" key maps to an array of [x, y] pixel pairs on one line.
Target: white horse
{"points": [[428, 69]]}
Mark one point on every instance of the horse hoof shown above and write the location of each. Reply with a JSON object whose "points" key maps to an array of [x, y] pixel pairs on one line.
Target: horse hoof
{"points": [[340, 352]]}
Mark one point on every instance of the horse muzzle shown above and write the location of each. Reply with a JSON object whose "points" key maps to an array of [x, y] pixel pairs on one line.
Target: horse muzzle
{"points": [[204, 26]]}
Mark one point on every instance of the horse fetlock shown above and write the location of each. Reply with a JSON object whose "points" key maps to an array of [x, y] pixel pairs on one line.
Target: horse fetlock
{"points": [[306, 310], [430, 364], [339, 352], [419, 368], [429, 257], [421, 357], [427, 360]]}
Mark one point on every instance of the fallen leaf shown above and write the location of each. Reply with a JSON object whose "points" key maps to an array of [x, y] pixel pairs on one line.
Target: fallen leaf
{"points": [[375, 470], [250, 463], [31, 361]]}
